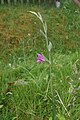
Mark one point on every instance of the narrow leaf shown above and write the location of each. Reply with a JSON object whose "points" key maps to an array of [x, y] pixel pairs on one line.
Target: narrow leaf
{"points": [[42, 33], [45, 28], [1, 106], [34, 13], [40, 17], [49, 46]]}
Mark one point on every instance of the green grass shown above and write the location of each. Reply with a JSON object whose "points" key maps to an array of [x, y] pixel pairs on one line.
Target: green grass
{"points": [[20, 41]]}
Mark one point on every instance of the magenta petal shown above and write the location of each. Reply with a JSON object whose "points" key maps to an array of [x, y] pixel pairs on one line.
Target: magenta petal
{"points": [[39, 61], [40, 58]]}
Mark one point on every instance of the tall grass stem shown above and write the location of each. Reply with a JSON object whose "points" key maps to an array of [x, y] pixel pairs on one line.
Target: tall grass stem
{"points": [[52, 90]]}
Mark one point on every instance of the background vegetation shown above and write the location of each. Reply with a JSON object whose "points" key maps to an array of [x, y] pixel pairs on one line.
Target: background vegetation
{"points": [[24, 84]]}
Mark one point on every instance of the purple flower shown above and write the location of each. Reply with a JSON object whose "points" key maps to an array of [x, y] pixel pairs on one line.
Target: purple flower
{"points": [[40, 58]]}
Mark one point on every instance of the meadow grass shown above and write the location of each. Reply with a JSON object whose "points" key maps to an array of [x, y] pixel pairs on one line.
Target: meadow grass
{"points": [[20, 41]]}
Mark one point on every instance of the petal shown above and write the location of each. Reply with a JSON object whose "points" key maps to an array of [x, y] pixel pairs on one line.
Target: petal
{"points": [[40, 58]]}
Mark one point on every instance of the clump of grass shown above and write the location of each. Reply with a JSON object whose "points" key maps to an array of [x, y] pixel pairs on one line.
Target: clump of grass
{"points": [[33, 100]]}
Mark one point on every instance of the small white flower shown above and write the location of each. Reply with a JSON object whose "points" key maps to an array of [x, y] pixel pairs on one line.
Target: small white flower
{"points": [[35, 23], [19, 58], [57, 4], [9, 64], [29, 34]]}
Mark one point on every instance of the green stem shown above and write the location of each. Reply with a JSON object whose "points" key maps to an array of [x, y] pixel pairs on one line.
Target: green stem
{"points": [[51, 87]]}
